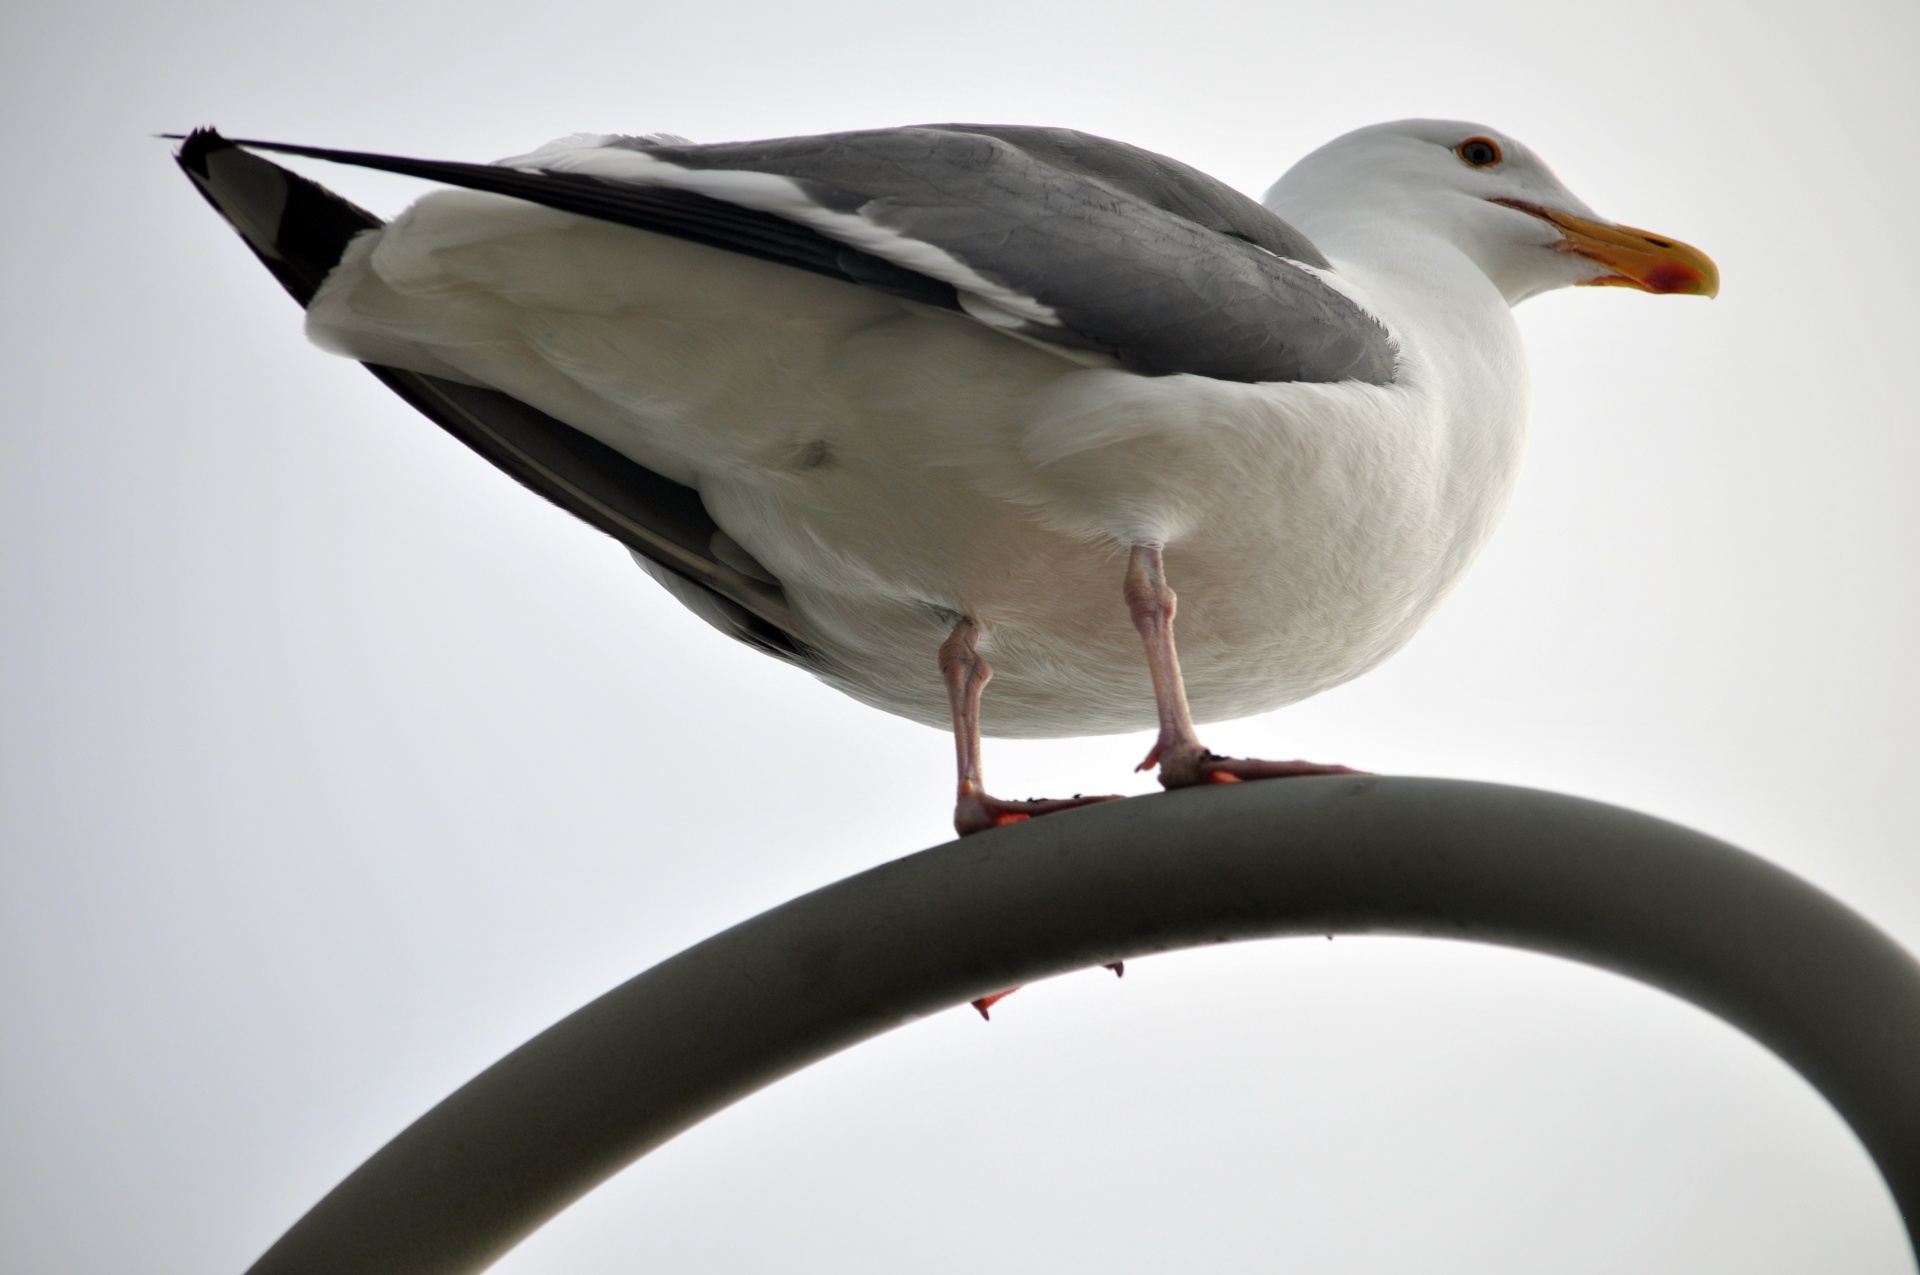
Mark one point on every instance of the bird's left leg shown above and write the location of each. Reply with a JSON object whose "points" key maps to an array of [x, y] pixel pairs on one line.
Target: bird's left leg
{"points": [[967, 672], [1183, 760]]}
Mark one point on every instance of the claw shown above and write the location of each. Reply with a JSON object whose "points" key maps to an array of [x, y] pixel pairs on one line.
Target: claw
{"points": [[986, 1003]]}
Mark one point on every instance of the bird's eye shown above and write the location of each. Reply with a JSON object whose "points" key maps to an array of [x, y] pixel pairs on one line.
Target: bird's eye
{"points": [[1479, 152]]}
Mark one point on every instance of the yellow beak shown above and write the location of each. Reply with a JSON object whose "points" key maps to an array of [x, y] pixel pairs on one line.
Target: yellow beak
{"points": [[1633, 258]]}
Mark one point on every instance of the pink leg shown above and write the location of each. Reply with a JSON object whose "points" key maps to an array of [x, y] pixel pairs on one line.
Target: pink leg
{"points": [[967, 672], [1183, 760]]}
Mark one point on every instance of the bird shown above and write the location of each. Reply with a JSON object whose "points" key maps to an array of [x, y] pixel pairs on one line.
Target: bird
{"points": [[924, 408]]}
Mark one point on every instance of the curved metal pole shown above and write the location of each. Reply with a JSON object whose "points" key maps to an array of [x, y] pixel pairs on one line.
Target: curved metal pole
{"points": [[1757, 946]]}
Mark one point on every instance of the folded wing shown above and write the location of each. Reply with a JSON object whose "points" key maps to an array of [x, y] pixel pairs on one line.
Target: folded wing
{"points": [[1049, 234]]}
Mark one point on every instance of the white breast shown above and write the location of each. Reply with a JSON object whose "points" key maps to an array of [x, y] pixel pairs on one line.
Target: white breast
{"points": [[897, 467]]}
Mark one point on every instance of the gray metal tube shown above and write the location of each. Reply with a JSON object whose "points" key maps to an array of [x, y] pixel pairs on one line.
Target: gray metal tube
{"points": [[1803, 975]]}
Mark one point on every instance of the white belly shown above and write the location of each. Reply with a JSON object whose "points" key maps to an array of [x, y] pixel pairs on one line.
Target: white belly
{"points": [[898, 467]]}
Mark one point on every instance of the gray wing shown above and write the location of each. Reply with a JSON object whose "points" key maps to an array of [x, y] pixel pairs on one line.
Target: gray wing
{"points": [[1117, 249], [299, 230]]}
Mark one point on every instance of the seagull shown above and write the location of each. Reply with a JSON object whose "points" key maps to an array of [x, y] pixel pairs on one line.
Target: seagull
{"points": [[922, 408]]}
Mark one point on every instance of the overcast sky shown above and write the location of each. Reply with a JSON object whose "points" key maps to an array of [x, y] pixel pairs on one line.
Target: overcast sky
{"points": [[335, 765]]}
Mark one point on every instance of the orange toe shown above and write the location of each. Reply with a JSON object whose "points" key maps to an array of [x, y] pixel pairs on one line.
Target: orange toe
{"points": [[986, 1003]]}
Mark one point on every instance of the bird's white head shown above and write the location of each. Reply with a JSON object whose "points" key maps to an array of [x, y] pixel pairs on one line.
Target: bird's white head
{"points": [[1487, 195]]}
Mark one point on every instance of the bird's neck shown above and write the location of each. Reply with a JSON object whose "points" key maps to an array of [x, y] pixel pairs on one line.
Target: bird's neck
{"points": [[1454, 328]]}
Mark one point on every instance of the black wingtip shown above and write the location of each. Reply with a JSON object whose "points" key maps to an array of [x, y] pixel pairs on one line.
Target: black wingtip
{"points": [[298, 228], [195, 147]]}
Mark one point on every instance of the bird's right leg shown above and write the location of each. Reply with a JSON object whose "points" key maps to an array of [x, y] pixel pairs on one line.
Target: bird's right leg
{"points": [[1183, 760], [967, 672]]}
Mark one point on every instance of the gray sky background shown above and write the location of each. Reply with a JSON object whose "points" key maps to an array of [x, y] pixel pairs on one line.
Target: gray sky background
{"points": [[335, 765]]}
